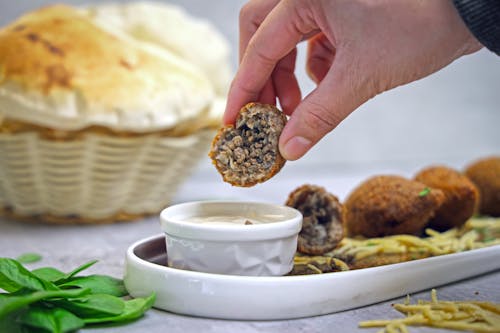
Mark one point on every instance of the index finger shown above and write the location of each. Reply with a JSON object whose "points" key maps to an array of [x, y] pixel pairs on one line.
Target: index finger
{"points": [[278, 34], [251, 17]]}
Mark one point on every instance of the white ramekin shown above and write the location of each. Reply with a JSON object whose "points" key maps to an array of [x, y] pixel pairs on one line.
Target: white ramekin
{"points": [[254, 250]]}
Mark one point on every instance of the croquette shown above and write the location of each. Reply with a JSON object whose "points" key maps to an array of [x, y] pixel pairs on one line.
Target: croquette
{"points": [[247, 153], [461, 196], [322, 225], [381, 259], [317, 264], [485, 173], [389, 205]]}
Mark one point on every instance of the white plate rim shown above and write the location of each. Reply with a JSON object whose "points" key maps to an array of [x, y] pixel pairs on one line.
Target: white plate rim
{"points": [[220, 296]]}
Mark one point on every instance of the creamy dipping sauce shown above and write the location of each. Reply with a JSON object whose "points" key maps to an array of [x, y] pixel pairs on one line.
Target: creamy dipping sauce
{"points": [[236, 220]]}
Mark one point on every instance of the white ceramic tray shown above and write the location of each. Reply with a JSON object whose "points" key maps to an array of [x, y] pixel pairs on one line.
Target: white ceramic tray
{"points": [[268, 298]]}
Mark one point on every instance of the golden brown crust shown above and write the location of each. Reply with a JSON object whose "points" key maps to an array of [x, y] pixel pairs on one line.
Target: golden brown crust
{"points": [[461, 196], [63, 70], [304, 265], [169, 26], [279, 161], [384, 259], [390, 205], [35, 53], [322, 227], [485, 173]]}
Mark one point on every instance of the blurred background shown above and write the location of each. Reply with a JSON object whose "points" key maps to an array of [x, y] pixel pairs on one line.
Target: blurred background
{"points": [[451, 117]]}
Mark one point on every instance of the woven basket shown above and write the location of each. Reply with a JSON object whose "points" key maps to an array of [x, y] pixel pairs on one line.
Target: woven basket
{"points": [[96, 178]]}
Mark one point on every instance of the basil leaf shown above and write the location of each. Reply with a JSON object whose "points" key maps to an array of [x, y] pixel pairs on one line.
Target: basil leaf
{"points": [[48, 273], [99, 284], [93, 306], [134, 308], [27, 258], [13, 276], [12, 303], [54, 320]]}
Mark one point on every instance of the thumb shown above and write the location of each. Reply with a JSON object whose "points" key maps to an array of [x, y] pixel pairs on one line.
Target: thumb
{"points": [[320, 112]]}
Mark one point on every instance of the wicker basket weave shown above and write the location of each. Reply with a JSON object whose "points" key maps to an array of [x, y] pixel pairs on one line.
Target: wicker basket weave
{"points": [[95, 178]]}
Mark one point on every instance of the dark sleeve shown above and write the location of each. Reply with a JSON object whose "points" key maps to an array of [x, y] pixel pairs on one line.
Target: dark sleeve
{"points": [[482, 17]]}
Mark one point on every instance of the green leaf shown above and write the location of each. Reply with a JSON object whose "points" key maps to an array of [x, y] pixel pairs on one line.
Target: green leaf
{"points": [[424, 192], [19, 292], [99, 284], [48, 273], [9, 323], [13, 276], [9, 304], [93, 306], [134, 308], [76, 271], [47, 299], [51, 319], [27, 258]]}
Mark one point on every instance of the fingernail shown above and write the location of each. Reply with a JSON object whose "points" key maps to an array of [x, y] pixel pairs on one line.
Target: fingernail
{"points": [[295, 148]]}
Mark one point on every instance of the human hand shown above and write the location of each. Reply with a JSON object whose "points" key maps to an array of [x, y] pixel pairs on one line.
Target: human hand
{"points": [[356, 50]]}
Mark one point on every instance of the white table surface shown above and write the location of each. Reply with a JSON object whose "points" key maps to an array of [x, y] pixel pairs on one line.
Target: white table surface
{"points": [[66, 247]]}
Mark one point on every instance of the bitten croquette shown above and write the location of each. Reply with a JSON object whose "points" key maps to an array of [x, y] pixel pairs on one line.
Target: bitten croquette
{"points": [[322, 226], [390, 205], [485, 173], [461, 196]]}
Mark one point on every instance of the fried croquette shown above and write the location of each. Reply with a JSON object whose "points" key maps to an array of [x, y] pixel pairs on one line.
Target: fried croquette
{"points": [[248, 153], [317, 264], [381, 259], [485, 173], [461, 196], [389, 205], [322, 226]]}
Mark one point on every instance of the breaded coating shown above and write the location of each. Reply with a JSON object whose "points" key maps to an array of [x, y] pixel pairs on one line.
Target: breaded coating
{"points": [[381, 259], [390, 205], [322, 225], [461, 196], [248, 153], [317, 264], [485, 173]]}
